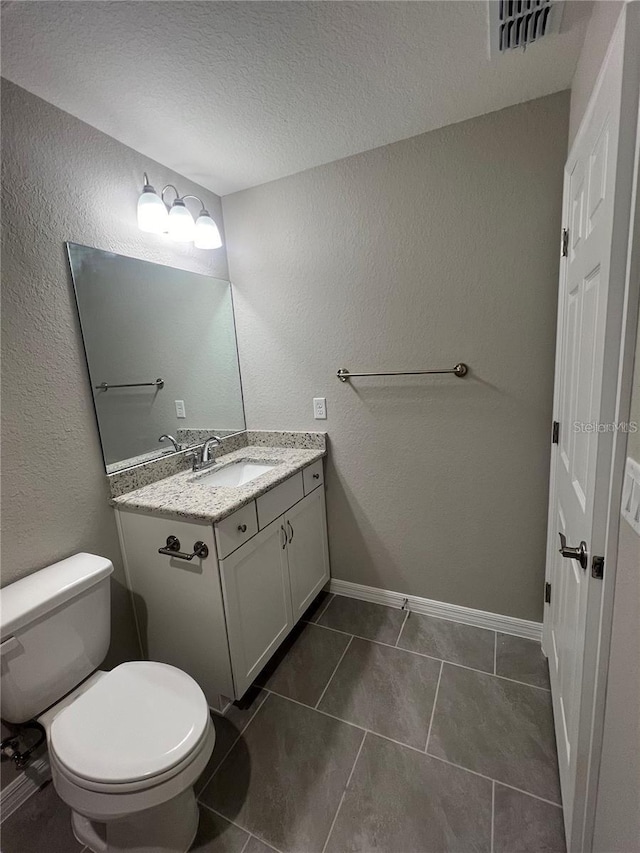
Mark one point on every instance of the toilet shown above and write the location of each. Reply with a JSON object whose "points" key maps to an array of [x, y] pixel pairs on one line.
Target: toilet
{"points": [[125, 746]]}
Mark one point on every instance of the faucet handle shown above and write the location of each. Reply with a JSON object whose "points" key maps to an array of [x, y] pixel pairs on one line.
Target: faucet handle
{"points": [[193, 455]]}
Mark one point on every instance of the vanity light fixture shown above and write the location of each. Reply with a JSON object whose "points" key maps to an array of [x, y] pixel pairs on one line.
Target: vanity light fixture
{"points": [[181, 224], [157, 217], [152, 213]]}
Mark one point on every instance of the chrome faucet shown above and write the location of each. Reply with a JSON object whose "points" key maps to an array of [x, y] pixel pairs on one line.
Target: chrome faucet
{"points": [[206, 459], [170, 438]]}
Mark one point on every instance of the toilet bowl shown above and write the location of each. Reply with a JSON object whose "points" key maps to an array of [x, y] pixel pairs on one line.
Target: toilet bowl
{"points": [[125, 752]]}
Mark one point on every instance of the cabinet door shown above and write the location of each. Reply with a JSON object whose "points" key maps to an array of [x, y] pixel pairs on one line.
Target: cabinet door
{"points": [[255, 584], [306, 526]]}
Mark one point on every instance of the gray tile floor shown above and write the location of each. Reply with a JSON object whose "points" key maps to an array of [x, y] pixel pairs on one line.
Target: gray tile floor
{"points": [[372, 731]]}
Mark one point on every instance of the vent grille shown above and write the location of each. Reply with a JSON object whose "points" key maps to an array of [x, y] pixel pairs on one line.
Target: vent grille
{"points": [[519, 23]]}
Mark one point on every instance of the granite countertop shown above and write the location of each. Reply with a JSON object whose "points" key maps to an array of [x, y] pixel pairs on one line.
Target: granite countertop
{"points": [[184, 496]]}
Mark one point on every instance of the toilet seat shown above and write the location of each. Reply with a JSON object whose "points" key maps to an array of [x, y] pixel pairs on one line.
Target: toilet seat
{"points": [[119, 788], [140, 724]]}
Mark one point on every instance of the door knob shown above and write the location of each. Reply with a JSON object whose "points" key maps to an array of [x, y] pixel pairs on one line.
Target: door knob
{"points": [[579, 553]]}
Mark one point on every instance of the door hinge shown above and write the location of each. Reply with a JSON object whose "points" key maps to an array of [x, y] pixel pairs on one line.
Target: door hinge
{"points": [[547, 592], [597, 568], [555, 432], [565, 242]]}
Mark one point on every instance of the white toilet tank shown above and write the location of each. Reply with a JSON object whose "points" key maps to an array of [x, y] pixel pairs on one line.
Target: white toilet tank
{"points": [[54, 632]]}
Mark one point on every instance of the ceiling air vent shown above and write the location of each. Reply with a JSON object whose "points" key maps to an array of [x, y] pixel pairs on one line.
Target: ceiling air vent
{"points": [[519, 23]]}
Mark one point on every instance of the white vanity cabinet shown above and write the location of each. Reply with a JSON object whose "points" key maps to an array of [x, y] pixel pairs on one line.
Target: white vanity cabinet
{"points": [[269, 583], [222, 617]]}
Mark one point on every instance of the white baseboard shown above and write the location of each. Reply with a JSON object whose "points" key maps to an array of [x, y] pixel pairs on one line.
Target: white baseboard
{"points": [[26, 784], [452, 612]]}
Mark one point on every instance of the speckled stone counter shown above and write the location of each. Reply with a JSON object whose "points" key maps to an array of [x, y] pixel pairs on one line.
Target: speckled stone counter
{"points": [[135, 477], [185, 495]]}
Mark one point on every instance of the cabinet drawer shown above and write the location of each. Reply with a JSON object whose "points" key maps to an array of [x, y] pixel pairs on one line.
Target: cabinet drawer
{"points": [[234, 530], [312, 476], [278, 500]]}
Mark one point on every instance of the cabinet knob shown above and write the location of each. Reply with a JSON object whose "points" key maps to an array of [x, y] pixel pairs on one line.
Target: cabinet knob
{"points": [[242, 528], [316, 476]]}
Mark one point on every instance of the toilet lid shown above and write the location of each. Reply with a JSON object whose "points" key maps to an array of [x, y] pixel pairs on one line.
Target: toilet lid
{"points": [[138, 721]]}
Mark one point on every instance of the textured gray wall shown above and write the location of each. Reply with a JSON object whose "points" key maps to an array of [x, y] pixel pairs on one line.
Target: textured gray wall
{"points": [[63, 180], [439, 248]]}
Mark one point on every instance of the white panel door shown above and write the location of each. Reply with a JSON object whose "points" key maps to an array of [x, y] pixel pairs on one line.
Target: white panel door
{"points": [[581, 350], [255, 584], [306, 526]]}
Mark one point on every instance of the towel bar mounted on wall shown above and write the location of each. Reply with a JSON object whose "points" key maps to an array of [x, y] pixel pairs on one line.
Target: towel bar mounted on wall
{"points": [[460, 369], [104, 386]]}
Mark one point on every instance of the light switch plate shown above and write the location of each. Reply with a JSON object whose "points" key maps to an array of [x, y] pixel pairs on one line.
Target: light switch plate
{"points": [[631, 494], [320, 408], [180, 409]]}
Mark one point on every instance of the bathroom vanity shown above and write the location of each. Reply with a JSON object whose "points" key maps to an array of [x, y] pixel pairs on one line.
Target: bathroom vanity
{"points": [[220, 574], [224, 560]]}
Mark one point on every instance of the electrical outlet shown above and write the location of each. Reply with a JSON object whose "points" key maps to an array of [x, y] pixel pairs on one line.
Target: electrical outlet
{"points": [[319, 408], [181, 412]]}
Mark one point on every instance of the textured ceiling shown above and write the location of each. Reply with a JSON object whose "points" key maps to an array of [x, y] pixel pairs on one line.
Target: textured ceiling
{"points": [[233, 94]]}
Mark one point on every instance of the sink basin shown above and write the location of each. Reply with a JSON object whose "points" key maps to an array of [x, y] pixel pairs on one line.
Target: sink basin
{"points": [[236, 473]]}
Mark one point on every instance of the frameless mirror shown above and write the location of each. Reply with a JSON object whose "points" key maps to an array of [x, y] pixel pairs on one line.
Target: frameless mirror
{"points": [[161, 349]]}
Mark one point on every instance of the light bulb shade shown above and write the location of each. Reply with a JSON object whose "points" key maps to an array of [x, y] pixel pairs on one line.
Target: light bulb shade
{"points": [[152, 213], [181, 224], [206, 234]]}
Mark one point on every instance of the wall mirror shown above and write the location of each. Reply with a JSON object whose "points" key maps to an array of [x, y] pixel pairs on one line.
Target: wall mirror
{"points": [[160, 345]]}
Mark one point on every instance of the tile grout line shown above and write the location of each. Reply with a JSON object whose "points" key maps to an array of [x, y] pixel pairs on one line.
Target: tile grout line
{"points": [[326, 687], [387, 737], [414, 749], [347, 722], [344, 793], [246, 844], [495, 652], [404, 622], [265, 843], [489, 779], [501, 677], [240, 733], [529, 794], [239, 826], [366, 731], [324, 609], [433, 710], [347, 634], [493, 810], [432, 657]]}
